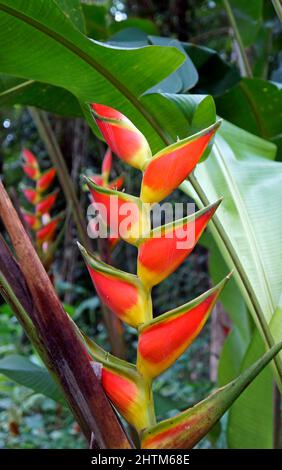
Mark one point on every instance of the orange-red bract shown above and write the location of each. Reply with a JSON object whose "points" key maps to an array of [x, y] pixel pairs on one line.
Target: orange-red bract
{"points": [[127, 396], [124, 139], [31, 220], [46, 233], [166, 337], [107, 164], [166, 247], [45, 180], [117, 183], [123, 214], [31, 195], [169, 167], [30, 166], [120, 291], [46, 204]]}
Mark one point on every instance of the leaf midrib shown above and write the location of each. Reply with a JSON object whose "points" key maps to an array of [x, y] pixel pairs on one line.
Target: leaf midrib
{"points": [[243, 216], [90, 61], [16, 88]]}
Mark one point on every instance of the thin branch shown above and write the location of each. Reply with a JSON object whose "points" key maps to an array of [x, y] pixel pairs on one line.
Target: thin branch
{"points": [[247, 68], [278, 8]]}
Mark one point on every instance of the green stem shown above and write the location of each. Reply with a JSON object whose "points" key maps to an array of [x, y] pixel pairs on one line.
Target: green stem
{"points": [[244, 58], [150, 402], [278, 8], [41, 121]]}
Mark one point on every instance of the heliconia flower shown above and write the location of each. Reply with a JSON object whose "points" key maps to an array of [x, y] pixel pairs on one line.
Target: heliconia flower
{"points": [[29, 158], [31, 195], [45, 180], [123, 214], [117, 183], [31, 220], [167, 246], [169, 167], [124, 139], [128, 395], [122, 292], [166, 337], [46, 203], [186, 429], [47, 232], [107, 165], [30, 165]]}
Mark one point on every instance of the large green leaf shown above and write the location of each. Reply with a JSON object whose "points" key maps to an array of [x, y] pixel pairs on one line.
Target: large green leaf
{"points": [[31, 93], [255, 105], [73, 11], [249, 16], [241, 170], [250, 421], [38, 42], [21, 370]]}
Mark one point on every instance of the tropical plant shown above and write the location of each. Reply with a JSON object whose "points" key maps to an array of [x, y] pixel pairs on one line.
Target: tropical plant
{"points": [[241, 167], [39, 220]]}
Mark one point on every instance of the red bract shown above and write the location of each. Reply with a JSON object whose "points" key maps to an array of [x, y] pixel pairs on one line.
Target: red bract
{"points": [[39, 221], [46, 203], [125, 215], [47, 232], [31, 220], [31, 195], [45, 180], [124, 139], [30, 165], [167, 247], [165, 338], [169, 167]]}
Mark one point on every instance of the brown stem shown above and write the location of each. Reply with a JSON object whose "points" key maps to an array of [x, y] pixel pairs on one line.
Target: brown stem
{"points": [[49, 139], [65, 351]]}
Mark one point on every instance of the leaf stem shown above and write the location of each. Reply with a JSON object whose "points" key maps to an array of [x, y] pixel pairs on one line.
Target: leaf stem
{"points": [[246, 65], [278, 8]]}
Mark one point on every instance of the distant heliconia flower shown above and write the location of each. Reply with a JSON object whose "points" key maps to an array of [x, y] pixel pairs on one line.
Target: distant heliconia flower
{"points": [[31, 195], [31, 220], [45, 180], [39, 221], [30, 165], [47, 232], [46, 203]]}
